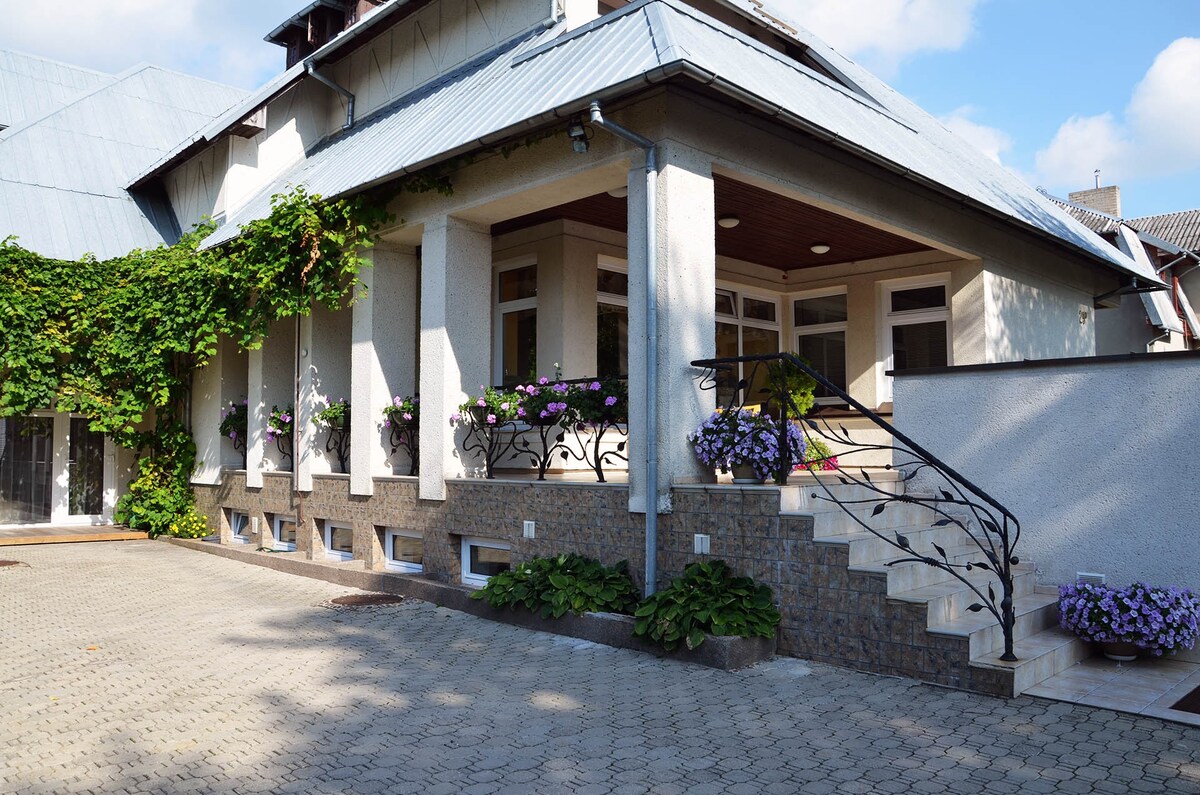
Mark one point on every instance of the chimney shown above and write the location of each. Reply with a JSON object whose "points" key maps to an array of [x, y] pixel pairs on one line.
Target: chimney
{"points": [[1106, 199]]}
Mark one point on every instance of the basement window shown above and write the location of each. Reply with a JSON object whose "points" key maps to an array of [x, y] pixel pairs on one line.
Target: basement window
{"points": [[283, 530], [239, 525], [339, 541], [482, 558], [404, 550]]}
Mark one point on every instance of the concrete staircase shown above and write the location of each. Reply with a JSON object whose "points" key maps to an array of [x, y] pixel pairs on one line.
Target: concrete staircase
{"points": [[1042, 649]]}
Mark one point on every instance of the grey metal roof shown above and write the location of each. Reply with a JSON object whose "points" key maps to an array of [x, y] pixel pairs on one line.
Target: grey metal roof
{"points": [[1181, 228], [63, 175], [551, 73], [1099, 222], [31, 86]]}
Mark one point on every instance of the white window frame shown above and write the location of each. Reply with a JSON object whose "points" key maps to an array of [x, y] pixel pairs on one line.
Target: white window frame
{"points": [[468, 577], [390, 535], [738, 318], [233, 523], [888, 320], [276, 521], [821, 328], [327, 540], [502, 308], [613, 265]]}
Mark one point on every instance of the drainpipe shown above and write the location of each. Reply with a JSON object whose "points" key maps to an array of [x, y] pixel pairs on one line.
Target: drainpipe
{"points": [[311, 68], [651, 441]]}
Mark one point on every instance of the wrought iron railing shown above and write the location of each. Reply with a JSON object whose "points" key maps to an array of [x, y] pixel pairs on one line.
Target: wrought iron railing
{"points": [[991, 530], [539, 442]]}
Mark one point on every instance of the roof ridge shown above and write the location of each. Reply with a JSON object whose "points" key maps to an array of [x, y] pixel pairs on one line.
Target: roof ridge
{"points": [[1166, 214], [56, 62], [144, 66]]}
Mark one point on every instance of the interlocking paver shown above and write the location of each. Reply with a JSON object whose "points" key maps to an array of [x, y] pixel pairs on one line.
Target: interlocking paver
{"points": [[143, 667]]}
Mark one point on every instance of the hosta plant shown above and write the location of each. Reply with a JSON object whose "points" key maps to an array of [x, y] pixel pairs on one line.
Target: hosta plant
{"points": [[1158, 620], [555, 586], [707, 599]]}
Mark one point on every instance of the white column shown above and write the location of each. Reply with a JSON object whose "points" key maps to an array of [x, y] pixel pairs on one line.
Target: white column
{"points": [[456, 340], [685, 250], [383, 359], [206, 420], [303, 460], [60, 495], [256, 418]]}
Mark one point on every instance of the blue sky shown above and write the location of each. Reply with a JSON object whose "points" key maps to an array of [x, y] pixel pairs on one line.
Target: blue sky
{"points": [[1052, 88]]}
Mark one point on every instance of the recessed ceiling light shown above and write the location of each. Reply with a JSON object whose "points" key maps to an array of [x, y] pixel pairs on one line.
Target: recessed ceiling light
{"points": [[728, 221], [619, 193], [819, 248]]}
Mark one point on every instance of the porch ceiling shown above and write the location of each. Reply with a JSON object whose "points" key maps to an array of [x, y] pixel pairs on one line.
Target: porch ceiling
{"points": [[774, 231]]}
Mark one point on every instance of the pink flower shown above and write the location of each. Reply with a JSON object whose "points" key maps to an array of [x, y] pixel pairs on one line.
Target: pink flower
{"points": [[520, 387], [387, 423], [543, 381], [407, 416], [455, 417], [397, 402], [481, 402], [520, 412], [491, 418], [504, 406]]}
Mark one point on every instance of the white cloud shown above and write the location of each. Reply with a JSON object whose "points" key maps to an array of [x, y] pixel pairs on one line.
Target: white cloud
{"points": [[218, 39], [1155, 136], [882, 33], [992, 141]]}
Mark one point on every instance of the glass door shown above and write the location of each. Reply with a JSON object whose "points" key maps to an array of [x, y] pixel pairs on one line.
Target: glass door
{"points": [[26, 464], [85, 470]]}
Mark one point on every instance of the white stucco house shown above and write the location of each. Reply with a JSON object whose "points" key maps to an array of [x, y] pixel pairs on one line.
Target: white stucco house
{"points": [[698, 167]]}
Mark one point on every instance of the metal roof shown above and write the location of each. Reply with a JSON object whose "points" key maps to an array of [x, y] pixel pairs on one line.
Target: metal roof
{"points": [[31, 86], [1181, 228], [1096, 220], [1159, 308], [652, 40], [63, 175]]}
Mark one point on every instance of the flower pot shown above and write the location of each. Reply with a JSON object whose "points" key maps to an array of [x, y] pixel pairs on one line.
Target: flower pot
{"points": [[1120, 651], [744, 473]]}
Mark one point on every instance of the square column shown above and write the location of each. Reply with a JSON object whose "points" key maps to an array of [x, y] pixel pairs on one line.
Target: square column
{"points": [[383, 359], [685, 250], [304, 454], [256, 418], [456, 340]]}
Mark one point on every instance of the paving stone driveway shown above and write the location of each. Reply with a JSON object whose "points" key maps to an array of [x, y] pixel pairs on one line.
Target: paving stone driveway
{"points": [[213, 676]]}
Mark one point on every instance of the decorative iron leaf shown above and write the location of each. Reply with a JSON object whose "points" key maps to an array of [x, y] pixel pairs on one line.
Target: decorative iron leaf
{"points": [[560, 437], [878, 509], [844, 481], [984, 566], [941, 522], [902, 541], [990, 526], [991, 594], [866, 475], [842, 428], [975, 608], [940, 551], [813, 424], [621, 447], [947, 495], [563, 455]]}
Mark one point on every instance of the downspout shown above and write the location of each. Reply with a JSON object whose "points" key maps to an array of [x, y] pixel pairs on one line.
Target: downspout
{"points": [[651, 441], [311, 68]]}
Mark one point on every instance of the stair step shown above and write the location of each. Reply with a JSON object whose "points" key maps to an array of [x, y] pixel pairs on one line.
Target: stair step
{"points": [[1034, 612], [909, 575], [948, 600], [1039, 657], [867, 547]]}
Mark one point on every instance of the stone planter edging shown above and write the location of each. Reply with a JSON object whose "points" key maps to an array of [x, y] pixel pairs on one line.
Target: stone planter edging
{"points": [[610, 629]]}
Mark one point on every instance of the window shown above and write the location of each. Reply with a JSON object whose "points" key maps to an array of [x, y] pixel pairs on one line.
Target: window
{"points": [[482, 558], [283, 529], [339, 541], [747, 325], [612, 318], [239, 525], [85, 469], [820, 319], [516, 322], [404, 550], [916, 326]]}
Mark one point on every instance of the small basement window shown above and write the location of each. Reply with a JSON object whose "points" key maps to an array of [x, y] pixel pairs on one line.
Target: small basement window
{"points": [[283, 529], [339, 541], [482, 558], [404, 550], [239, 525]]}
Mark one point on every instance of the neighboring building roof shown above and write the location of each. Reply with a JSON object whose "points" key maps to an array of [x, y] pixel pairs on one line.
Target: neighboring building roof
{"points": [[63, 174], [1181, 228], [1096, 220], [31, 86], [540, 79]]}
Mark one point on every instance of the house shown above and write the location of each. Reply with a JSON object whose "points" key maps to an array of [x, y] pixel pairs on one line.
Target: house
{"points": [[73, 140], [1153, 320], [701, 168]]}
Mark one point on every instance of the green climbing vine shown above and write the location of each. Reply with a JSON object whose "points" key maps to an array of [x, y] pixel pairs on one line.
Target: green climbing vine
{"points": [[118, 340]]}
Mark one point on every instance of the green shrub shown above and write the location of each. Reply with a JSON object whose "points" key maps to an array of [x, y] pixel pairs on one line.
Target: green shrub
{"points": [[552, 586], [190, 525], [154, 500], [708, 598]]}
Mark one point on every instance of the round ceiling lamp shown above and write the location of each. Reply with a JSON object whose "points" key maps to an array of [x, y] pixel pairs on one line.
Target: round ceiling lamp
{"points": [[819, 248], [728, 221], [619, 193]]}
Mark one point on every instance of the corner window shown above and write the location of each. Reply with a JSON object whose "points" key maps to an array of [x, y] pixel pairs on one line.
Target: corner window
{"points": [[916, 326], [283, 530], [404, 550], [819, 318], [612, 318], [239, 525], [482, 558], [516, 322], [747, 325], [339, 541]]}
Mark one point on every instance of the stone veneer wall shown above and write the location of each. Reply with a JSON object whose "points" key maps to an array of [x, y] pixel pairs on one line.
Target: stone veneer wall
{"points": [[829, 614]]}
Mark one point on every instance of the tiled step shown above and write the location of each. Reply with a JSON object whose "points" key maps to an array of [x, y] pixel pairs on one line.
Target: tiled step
{"points": [[1039, 657], [909, 575], [867, 547], [948, 600], [1034, 612]]}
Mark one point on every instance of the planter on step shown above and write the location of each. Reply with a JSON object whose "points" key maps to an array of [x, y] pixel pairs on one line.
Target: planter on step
{"points": [[1120, 651], [744, 473]]}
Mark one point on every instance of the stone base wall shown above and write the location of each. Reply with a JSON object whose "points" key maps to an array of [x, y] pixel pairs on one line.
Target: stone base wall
{"points": [[830, 614]]}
